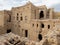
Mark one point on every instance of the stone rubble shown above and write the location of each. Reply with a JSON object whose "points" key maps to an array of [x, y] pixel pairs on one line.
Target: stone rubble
{"points": [[52, 38]]}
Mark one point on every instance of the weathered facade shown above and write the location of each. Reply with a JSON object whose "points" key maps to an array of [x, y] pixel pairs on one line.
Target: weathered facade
{"points": [[29, 21], [5, 23]]}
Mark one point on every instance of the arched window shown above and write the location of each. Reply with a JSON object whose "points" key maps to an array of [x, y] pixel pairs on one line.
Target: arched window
{"points": [[41, 14], [42, 25], [48, 26], [9, 20]]}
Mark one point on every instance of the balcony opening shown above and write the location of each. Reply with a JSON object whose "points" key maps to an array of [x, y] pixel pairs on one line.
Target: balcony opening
{"points": [[41, 14], [9, 19]]}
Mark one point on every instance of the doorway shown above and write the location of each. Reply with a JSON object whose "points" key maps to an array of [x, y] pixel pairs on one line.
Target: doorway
{"points": [[39, 36], [9, 30], [26, 33]]}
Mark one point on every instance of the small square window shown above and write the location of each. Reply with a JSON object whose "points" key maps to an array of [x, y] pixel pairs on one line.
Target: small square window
{"points": [[32, 24], [48, 26], [21, 18], [17, 14], [42, 25], [37, 25]]}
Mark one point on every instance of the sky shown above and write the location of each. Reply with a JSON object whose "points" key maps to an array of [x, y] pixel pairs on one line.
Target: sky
{"points": [[8, 4]]}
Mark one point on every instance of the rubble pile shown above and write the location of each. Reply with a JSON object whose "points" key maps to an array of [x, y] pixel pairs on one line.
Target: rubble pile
{"points": [[52, 38], [11, 39]]}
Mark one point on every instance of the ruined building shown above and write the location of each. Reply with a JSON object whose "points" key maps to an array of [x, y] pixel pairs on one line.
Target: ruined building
{"points": [[33, 22]]}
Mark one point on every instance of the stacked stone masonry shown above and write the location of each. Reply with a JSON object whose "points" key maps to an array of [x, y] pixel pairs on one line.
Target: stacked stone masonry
{"points": [[37, 23]]}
